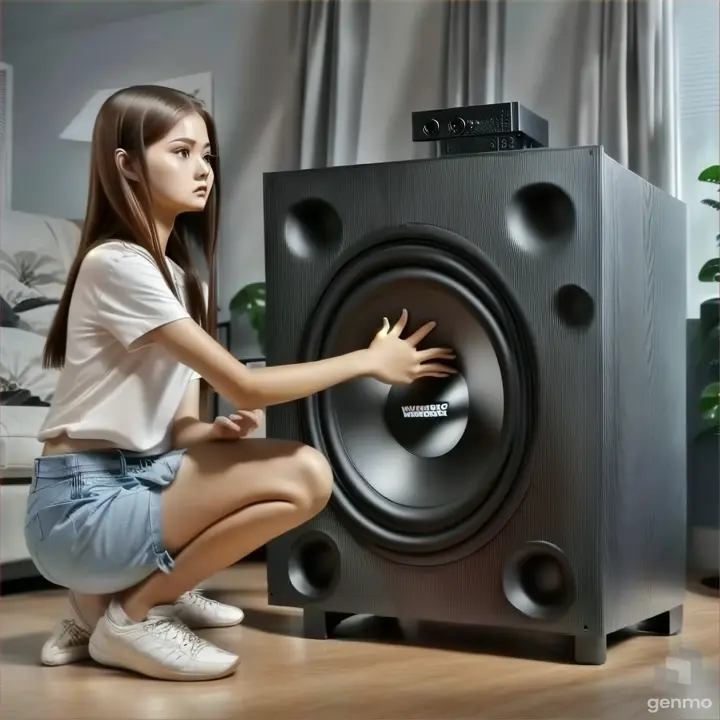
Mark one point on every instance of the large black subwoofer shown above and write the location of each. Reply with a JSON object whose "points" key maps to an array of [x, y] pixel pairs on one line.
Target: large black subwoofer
{"points": [[543, 487]]}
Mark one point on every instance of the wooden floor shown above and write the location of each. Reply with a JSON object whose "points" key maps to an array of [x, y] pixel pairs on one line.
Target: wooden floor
{"points": [[370, 673]]}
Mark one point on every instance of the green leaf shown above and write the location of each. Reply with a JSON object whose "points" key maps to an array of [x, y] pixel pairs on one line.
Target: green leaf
{"points": [[710, 271], [710, 402], [710, 174], [250, 301], [714, 204], [249, 298]]}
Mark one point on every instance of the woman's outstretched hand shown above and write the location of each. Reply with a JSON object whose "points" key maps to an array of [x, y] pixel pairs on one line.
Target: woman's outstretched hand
{"points": [[397, 362]]}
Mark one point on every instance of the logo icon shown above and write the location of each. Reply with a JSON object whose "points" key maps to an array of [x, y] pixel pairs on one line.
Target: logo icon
{"points": [[679, 669], [425, 411]]}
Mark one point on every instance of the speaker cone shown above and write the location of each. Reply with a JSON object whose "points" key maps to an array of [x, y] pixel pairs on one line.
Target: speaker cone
{"points": [[431, 468]]}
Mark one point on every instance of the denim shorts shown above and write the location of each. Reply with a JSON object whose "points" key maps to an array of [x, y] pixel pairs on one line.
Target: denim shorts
{"points": [[94, 521]]}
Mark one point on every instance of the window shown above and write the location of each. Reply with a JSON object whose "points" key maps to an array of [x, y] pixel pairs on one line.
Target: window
{"points": [[698, 29]]}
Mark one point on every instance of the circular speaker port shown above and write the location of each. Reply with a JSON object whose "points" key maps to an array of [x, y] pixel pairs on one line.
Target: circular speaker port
{"points": [[541, 217], [574, 306], [314, 565], [431, 128], [538, 581], [311, 227], [456, 126]]}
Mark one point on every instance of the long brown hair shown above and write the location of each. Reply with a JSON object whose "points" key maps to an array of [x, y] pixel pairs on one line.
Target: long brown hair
{"points": [[133, 119]]}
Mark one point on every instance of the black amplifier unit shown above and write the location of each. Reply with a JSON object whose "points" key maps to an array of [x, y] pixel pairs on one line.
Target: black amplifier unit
{"points": [[487, 143], [481, 128]]}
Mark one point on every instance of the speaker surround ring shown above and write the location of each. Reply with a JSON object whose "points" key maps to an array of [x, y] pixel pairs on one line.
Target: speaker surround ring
{"points": [[414, 522], [431, 535]]}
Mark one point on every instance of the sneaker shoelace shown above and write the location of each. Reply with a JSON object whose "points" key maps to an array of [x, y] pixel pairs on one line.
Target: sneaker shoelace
{"points": [[176, 632], [72, 635], [196, 598]]}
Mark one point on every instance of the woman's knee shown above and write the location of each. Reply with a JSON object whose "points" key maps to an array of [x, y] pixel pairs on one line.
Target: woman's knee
{"points": [[315, 479]]}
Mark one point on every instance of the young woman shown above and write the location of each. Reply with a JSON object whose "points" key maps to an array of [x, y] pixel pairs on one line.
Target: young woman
{"points": [[135, 499]]}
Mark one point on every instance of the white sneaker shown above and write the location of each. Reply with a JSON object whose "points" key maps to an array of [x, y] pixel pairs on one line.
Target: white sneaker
{"points": [[69, 641], [67, 644], [198, 611], [159, 648]]}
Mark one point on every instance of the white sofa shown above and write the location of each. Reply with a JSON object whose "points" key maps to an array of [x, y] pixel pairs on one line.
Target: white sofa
{"points": [[35, 256]]}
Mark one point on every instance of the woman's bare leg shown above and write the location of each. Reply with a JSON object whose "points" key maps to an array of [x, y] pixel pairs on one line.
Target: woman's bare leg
{"points": [[227, 500], [89, 608]]}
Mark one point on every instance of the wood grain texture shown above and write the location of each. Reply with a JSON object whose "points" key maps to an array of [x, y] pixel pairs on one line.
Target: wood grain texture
{"points": [[425, 672]]}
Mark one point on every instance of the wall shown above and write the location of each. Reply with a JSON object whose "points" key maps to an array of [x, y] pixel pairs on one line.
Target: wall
{"points": [[247, 47]]}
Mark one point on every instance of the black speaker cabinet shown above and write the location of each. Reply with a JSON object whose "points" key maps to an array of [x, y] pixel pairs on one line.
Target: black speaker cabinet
{"points": [[544, 486]]}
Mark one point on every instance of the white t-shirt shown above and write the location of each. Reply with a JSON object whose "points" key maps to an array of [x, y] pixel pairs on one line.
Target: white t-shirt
{"points": [[107, 391]]}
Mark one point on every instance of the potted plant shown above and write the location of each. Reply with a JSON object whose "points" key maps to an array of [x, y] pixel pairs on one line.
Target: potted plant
{"points": [[709, 340], [250, 301]]}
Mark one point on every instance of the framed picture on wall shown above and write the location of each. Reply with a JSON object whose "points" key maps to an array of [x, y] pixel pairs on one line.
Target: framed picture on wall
{"points": [[81, 126]]}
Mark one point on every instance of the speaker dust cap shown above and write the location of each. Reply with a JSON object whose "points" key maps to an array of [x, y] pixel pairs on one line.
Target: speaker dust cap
{"points": [[421, 469]]}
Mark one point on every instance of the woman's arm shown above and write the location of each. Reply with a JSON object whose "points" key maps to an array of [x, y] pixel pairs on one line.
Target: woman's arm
{"points": [[137, 307], [388, 358], [189, 344], [187, 427]]}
